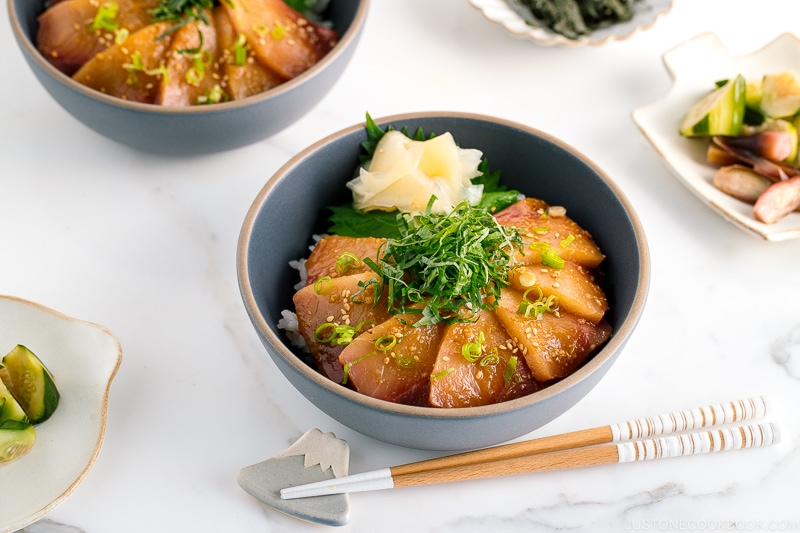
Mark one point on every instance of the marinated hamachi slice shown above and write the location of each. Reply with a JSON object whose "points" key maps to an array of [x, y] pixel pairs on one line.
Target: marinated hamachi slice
{"points": [[483, 376], [555, 345], [131, 71], [281, 38], [576, 288], [393, 360], [191, 65], [248, 78], [65, 37], [550, 228], [335, 255], [339, 301]]}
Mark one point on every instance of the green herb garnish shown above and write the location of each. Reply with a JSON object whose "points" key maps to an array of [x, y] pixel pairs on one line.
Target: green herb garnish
{"points": [[181, 12], [447, 268], [347, 221], [511, 369], [310, 9], [105, 19], [240, 51]]}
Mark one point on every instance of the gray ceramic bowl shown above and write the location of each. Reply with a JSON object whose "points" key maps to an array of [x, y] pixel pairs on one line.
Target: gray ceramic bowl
{"points": [[197, 129], [287, 212]]}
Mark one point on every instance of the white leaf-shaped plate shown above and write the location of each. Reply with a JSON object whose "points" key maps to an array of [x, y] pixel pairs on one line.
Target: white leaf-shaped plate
{"points": [[518, 22], [83, 358], [695, 66]]}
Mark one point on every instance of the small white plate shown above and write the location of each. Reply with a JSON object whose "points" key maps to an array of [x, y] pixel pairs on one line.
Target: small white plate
{"points": [[519, 23], [83, 358], [694, 66]]}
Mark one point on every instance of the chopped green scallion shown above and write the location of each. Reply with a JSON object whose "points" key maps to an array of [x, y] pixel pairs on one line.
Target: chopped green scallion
{"points": [[471, 351], [340, 334], [511, 369], [407, 362], [347, 261], [490, 359], [240, 51], [214, 95], [105, 17], [121, 35], [443, 373], [385, 343], [322, 327], [550, 258], [347, 366], [323, 285], [278, 32]]}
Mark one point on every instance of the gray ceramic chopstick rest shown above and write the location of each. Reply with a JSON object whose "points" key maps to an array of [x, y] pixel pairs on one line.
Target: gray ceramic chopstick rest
{"points": [[315, 456]]}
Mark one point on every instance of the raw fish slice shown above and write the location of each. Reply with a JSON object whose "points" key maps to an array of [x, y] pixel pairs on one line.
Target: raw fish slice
{"points": [[64, 38], [323, 259], [240, 81], [191, 65], [400, 373], [459, 382], [531, 217], [112, 71], [576, 288], [280, 37], [555, 345], [337, 302]]}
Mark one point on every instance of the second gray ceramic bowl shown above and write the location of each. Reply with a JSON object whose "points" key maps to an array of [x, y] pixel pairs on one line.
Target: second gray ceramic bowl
{"points": [[291, 206], [195, 129]]}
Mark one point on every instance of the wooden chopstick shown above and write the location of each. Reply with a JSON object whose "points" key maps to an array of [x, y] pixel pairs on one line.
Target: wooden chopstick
{"points": [[724, 439], [574, 449], [675, 422]]}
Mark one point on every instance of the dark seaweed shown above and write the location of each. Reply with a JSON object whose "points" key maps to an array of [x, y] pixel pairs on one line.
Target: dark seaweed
{"points": [[576, 18]]}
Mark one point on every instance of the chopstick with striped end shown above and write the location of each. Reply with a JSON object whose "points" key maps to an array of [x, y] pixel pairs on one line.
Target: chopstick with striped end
{"points": [[594, 446]]}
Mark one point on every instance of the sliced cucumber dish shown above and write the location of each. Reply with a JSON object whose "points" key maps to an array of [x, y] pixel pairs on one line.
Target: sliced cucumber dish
{"points": [[720, 112], [28, 396]]}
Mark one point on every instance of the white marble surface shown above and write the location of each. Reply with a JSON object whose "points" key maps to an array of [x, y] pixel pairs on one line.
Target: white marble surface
{"points": [[145, 246]]}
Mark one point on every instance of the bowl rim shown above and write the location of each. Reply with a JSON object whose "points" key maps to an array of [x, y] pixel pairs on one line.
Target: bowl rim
{"points": [[32, 52], [608, 351]]}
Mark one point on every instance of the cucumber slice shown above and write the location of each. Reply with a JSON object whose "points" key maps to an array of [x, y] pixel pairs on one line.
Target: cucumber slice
{"points": [[720, 112], [16, 439], [780, 96], [753, 91], [10, 409], [31, 383]]}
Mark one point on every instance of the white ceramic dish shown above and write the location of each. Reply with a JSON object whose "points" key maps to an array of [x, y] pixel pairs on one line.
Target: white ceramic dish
{"points": [[519, 23], [694, 66], [83, 358]]}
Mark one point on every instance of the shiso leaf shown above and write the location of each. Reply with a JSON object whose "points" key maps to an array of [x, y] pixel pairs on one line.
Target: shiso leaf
{"points": [[347, 221]]}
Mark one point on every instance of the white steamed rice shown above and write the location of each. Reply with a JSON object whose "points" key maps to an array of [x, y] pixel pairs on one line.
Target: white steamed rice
{"points": [[288, 320]]}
